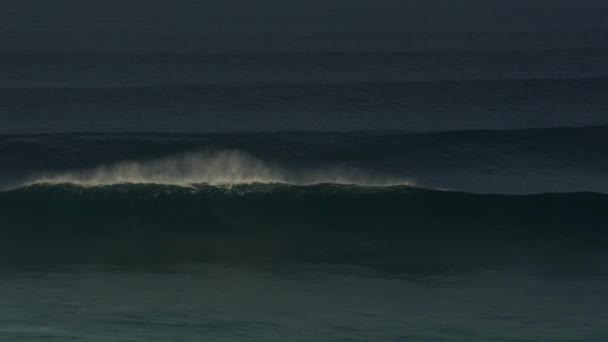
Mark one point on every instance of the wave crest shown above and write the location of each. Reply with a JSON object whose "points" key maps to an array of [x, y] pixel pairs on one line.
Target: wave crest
{"points": [[229, 167]]}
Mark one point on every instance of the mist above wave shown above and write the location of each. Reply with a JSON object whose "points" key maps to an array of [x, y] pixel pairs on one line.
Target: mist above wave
{"points": [[230, 167]]}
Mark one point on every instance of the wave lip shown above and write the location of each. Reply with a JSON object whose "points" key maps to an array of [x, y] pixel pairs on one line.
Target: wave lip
{"points": [[228, 167]]}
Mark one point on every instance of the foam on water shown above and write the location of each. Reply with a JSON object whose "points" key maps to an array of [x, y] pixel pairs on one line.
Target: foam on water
{"points": [[227, 167]]}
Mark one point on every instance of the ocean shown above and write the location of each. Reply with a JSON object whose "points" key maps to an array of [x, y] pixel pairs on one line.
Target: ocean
{"points": [[438, 195]]}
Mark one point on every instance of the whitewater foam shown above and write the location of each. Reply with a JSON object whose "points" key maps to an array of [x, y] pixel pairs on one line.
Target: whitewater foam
{"points": [[218, 168]]}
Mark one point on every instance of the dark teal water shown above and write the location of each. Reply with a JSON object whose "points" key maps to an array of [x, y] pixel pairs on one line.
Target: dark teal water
{"points": [[403, 196]]}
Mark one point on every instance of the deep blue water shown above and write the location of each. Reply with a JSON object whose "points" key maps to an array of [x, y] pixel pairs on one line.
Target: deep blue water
{"points": [[454, 195]]}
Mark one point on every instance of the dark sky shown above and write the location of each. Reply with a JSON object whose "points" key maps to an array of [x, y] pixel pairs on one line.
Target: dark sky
{"points": [[297, 25]]}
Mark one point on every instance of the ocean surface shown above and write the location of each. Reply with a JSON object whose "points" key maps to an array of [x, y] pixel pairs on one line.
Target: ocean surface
{"points": [[454, 195]]}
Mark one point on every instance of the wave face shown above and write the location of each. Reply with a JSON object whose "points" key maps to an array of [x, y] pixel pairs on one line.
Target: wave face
{"points": [[374, 226]]}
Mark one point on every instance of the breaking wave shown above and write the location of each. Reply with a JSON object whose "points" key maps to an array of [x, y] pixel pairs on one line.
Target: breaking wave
{"points": [[220, 168]]}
